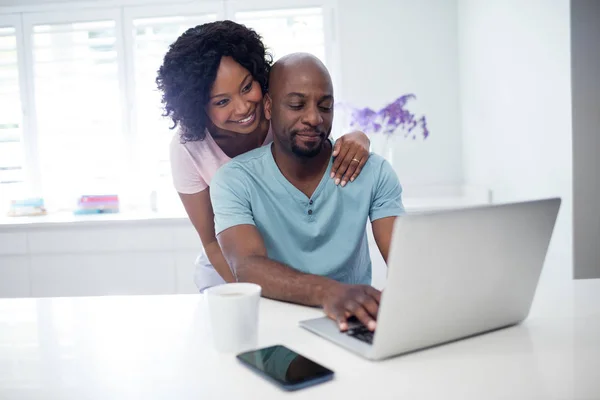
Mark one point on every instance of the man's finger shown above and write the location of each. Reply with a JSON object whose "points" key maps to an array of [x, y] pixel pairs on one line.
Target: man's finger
{"points": [[374, 293], [369, 304], [339, 315], [363, 316]]}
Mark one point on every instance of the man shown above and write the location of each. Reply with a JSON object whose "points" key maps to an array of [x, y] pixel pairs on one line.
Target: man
{"points": [[283, 223]]}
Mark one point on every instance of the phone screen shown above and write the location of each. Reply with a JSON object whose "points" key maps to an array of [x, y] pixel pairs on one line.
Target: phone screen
{"points": [[284, 365]]}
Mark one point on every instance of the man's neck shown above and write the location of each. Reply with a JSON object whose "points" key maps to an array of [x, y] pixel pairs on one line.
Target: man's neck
{"points": [[303, 172]]}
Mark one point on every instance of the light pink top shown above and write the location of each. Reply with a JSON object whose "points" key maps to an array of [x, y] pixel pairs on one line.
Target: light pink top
{"points": [[193, 164]]}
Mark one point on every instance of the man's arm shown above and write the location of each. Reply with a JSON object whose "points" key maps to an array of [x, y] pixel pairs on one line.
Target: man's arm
{"points": [[386, 206], [382, 232], [244, 250]]}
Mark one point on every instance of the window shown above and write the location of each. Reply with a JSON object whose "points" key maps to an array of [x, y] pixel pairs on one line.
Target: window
{"points": [[79, 109], [12, 175], [151, 40], [78, 103], [288, 30]]}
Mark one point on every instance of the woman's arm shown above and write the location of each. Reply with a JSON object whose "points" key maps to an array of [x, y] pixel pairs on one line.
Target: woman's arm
{"points": [[351, 152], [199, 210]]}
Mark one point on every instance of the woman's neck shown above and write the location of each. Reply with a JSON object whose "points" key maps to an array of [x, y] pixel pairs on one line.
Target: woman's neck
{"points": [[233, 144]]}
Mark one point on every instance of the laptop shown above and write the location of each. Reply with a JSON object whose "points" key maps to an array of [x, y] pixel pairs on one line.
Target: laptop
{"points": [[453, 274]]}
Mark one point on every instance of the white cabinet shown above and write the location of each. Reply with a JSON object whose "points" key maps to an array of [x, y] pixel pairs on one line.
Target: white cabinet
{"points": [[100, 239], [13, 243], [184, 268], [98, 258], [14, 276], [96, 274]]}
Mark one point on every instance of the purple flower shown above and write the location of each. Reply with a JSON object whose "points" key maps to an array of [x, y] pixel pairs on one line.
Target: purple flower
{"points": [[390, 119], [365, 119]]}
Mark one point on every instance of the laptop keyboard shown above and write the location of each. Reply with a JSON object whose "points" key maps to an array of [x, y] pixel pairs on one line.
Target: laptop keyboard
{"points": [[361, 333]]}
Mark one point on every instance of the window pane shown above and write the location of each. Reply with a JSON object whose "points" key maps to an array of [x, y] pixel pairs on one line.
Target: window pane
{"points": [[152, 37], [11, 152], [77, 95], [288, 31]]}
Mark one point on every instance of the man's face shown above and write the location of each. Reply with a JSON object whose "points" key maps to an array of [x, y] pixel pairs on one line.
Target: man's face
{"points": [[300, 107]]}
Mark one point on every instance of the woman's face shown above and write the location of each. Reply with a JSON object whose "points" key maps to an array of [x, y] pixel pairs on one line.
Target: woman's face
{"points": [[236, 99]]}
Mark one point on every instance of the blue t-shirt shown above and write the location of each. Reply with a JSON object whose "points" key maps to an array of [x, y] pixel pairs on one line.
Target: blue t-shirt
{"points": [[322, 235]]}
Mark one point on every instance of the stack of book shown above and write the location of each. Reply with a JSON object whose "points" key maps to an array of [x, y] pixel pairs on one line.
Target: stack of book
{"points": [[27, 207], [97, 204]]}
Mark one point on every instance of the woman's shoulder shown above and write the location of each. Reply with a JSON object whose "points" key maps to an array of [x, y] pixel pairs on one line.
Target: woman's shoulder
{"points": [[178, 143], [205, 148], [197, 157]]}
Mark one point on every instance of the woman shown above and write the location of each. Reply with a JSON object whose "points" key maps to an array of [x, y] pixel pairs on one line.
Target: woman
{"points": [[213, 79]]}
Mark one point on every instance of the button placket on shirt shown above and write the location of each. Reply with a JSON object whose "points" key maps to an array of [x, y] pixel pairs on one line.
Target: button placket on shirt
{"points": [[310, 210]]}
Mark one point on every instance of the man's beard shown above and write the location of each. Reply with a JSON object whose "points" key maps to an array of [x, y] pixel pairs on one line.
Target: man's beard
{"points": [[308, 151]]}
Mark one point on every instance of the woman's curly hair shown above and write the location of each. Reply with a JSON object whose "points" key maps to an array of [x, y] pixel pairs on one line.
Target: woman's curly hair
{"points": [[190, 67]]}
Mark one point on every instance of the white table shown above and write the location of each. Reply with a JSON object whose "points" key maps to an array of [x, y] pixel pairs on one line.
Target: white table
{"points": [[158, 347]]}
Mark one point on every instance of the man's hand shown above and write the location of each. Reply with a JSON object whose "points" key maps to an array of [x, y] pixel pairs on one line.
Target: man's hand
{"points": [[361, 301]]}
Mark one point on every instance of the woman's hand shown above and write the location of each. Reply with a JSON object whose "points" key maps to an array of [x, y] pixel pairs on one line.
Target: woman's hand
{"points": [[351, 152]]}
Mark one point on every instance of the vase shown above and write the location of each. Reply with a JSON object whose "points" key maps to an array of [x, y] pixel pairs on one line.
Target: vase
{"points": [[383, 145]]}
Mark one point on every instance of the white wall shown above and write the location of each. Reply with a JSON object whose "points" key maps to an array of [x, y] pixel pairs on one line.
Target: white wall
{"points": [[393, 47], [516, 108], [585, 39]]}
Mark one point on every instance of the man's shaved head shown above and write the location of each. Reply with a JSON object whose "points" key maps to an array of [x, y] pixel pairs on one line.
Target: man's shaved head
{"points": [[300, 103], [303, 65]]}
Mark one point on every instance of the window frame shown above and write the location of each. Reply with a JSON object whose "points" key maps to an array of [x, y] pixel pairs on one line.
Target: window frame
{"points": [[28, 140]]}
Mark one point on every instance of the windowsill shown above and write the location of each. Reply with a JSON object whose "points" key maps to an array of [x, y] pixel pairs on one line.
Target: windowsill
{"points": [[67, 219]]}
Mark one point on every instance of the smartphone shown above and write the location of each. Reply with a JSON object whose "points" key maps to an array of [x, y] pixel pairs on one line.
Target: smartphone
{"points": [[285, 368]]}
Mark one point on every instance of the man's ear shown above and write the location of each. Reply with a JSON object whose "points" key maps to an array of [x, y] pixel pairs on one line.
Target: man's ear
{"points": [[268, 103]]}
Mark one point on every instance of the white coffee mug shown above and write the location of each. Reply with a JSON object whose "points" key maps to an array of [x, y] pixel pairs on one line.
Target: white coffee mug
{"points": [[233, 315]]}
